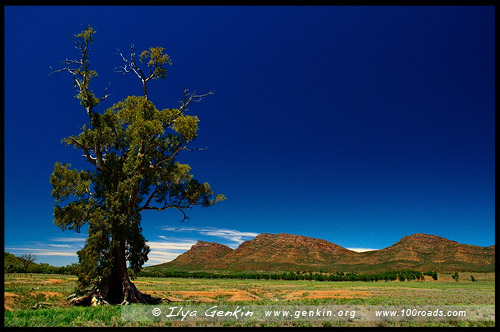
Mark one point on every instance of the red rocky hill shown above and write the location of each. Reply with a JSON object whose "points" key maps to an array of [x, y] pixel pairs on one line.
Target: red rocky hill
{"points": [[286, 252]]}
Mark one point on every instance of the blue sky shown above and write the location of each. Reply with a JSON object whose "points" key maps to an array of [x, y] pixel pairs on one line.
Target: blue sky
{"points": [[358, 125]]}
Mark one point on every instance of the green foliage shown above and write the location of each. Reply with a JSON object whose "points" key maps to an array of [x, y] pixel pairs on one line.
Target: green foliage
{"points": [[14, 264], [11, 263], [87, 35], [132, 148], [187, 126], [401, 275], [455, 276], [156, 60], [432, 274], [27, 260], [82, 75]]}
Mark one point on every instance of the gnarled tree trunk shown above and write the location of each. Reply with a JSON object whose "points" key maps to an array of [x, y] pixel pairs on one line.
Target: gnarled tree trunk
{"points": [[118, 288]]}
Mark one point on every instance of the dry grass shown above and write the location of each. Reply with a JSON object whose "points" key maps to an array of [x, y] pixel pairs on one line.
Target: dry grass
{"points": [[22, 292]]}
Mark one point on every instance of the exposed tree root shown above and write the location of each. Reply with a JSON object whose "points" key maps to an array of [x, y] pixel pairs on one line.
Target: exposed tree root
{"points": [[130, 295]]}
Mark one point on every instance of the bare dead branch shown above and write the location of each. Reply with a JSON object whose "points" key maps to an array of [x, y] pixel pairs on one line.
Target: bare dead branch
{"points": [[196, 149], [81, 74], [106, 95], [192, 97], [131, 66]]}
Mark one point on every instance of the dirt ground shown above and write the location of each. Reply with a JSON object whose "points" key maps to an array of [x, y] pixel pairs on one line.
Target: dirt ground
{"points": [[9, 299], [336, 294], [257, 294]]}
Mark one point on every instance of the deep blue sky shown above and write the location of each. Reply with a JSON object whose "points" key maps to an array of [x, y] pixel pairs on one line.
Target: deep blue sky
{"points": [[357, 125]]}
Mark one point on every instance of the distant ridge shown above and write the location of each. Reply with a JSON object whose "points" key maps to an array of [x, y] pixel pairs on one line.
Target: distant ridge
{"points": [[200, 255], [286, 252]]}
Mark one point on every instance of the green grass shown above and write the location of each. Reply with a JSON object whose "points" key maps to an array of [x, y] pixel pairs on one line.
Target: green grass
{"points": [[109, 316], [57, 317]]}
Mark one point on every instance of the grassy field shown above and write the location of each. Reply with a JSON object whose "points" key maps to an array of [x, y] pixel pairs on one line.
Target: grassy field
{"points": [[23, 292]]}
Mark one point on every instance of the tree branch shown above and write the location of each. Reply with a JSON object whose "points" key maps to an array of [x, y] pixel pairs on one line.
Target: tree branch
{"points": [[99, 161], [178, 207], [135, 196], [161, 161], [131, 66], [196, 149], [192, 97], [149, 199], [86, 151], [82, 75], [106, 95]]}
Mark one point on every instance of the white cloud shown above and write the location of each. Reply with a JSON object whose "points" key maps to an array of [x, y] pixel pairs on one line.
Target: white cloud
{"points": [[165, 251], [161, 251], [158, 257], [60, 245], [22, 249], [158, 245], [55, 253], [361, 249], [229, 234], [69, 239], [41, 251]]}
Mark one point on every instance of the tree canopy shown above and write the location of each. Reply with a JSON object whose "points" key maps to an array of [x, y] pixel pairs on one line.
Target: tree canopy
{"points": [[132, 149]]}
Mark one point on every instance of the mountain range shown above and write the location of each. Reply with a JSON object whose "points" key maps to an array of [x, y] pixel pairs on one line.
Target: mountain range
{"points": [[286, 252]]}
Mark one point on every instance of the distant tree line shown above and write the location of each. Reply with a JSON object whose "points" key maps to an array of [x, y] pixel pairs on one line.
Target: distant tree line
{"points": [[26, 264], [401, 275], [432, 274]]}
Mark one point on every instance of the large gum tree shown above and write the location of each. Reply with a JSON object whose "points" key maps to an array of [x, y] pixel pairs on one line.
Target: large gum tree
{"points": [[131, 149]]}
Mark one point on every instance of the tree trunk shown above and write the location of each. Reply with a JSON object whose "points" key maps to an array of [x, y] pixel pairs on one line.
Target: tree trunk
{"points": [[118, 289]]}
